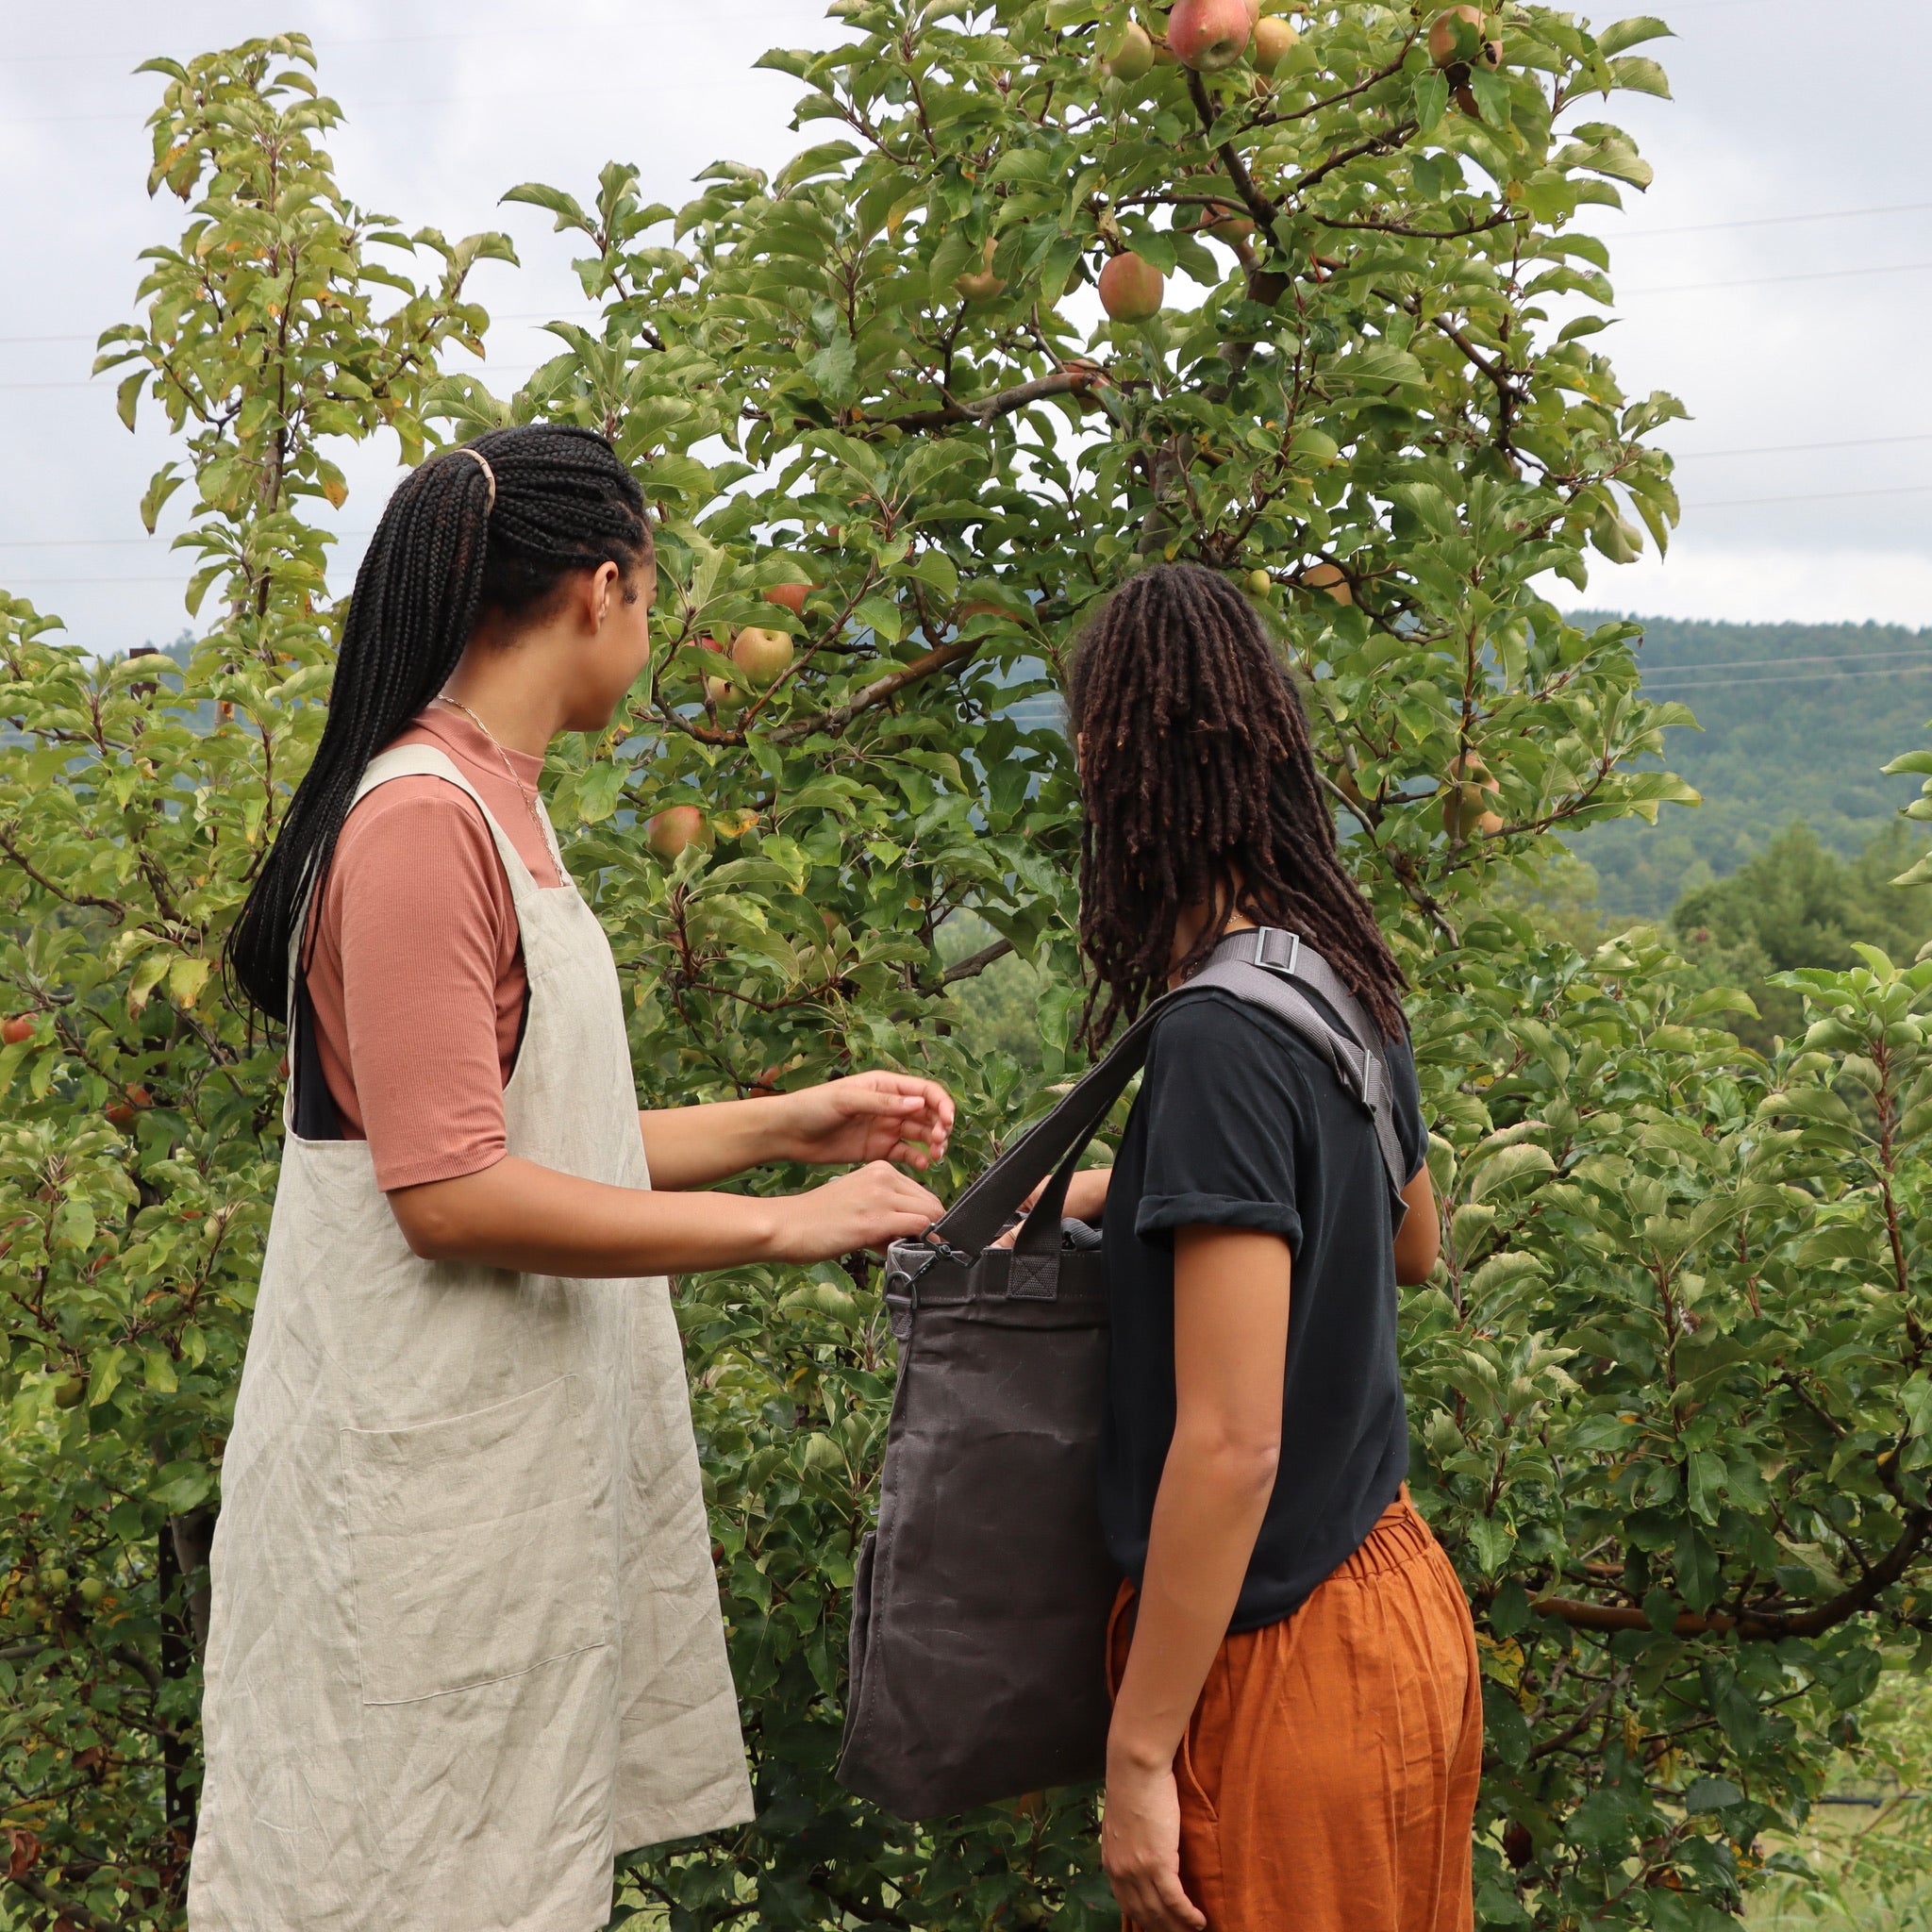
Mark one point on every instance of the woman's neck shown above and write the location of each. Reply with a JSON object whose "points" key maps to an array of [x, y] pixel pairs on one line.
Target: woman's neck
{"points": [[1193, 921]]}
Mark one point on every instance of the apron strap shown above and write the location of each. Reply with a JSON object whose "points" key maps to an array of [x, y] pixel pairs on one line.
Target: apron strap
{"points": [[308, 1111]]}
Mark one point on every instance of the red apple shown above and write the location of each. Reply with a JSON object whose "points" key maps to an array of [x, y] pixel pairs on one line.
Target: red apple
{"points": [[18, 1028], [1275, 39], [1135, 56], [1328, 576], [1229, 226], [1209, 35], [674, 829], [789, 597], [1442, 38], [1132, 290], [762, 655]]}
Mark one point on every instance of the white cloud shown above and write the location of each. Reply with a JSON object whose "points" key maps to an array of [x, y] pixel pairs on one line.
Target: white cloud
{"points": [[448, 107]]}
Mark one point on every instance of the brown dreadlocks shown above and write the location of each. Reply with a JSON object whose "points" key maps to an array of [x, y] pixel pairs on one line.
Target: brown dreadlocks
{"points": [[1197, 772]]}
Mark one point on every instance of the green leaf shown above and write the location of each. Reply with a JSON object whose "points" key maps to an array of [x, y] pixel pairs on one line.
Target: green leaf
{"points": [[1633, 32], [1637, 75]]}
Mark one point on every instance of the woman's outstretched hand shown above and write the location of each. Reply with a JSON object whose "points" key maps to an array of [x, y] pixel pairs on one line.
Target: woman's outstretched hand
{"points": [[877, 1116], [869, 1208]]}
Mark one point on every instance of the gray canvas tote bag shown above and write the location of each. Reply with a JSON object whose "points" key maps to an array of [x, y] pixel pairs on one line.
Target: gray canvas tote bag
{"points": [[980, 1602]]}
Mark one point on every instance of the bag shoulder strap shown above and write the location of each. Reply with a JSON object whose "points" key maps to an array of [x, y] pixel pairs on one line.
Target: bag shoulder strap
{"points": [[1258, 966], [1274, 971]]}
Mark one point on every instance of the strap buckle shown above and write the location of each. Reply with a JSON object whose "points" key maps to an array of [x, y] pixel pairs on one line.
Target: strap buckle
{"points": [[1277, 950], [938, 1249]]}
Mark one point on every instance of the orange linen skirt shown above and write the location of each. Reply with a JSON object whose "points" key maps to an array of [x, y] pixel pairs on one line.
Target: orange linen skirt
{"points": [[1328, 1777]]}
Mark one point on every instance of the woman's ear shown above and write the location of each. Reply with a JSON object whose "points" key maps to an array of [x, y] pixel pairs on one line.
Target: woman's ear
{"points": [[606, 588]]}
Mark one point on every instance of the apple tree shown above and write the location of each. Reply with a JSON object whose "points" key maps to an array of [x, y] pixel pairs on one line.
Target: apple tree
{"points": [[138, 1150], [1042, 304], [1049, 303]]}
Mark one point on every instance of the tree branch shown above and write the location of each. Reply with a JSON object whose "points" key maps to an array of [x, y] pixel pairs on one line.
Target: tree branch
{"points": [[1767, 1624], [973, 964], [1258, 204], [40, 879], [1075, 380], [878, 691], [1372, 144], [68, 1908]]}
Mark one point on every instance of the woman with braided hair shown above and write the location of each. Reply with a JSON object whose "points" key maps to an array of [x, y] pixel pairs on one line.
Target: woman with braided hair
{"points": [[465, 1643], [1297, 1730]]}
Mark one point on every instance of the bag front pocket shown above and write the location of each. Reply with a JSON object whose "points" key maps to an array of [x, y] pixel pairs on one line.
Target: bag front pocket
{"points": [[477, 1545]]}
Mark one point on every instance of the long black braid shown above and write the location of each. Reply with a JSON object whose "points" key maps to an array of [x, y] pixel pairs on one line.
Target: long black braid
{"points": [[1195, 770], [442, 556]]}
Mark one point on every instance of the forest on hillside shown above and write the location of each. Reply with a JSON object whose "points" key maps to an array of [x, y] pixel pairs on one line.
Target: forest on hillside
{"points": [[1797, 721]]}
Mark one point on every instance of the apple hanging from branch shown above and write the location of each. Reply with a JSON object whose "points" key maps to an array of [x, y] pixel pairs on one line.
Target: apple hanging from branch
{"points": [[1131, 289], [1135, 56], [1329, 578], [1210, 34], [1443, 39], [1466, 793], [1275, 41], [763, 655], [672, 831], [789, 597]]}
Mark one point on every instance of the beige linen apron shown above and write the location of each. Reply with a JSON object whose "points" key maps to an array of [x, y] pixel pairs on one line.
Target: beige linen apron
{"points": [[465, 1644]]}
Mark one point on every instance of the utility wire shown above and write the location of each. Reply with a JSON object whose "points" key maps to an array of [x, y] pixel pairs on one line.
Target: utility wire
{"points": [[1810, 496], [1796, 677], [1841, 214], [526, 315], [1786, 449], [324, 42], [1779, 663], [1831, 274]]}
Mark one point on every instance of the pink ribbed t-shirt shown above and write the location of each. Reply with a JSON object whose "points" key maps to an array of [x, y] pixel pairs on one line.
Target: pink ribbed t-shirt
{"points": [[416, 964]]}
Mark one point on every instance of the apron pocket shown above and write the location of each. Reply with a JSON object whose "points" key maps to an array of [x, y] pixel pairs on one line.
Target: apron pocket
{"points": [[476, 1545]]}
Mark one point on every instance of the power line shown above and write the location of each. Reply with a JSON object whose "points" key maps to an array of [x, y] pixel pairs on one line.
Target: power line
{"points": [[522, 315], [1796, 677], [105, 542], [1811, 496], [94, 382], [1784, 663], [324, 44], [1786, 449], [520, 97], [1838, 274], [1843, 214]]}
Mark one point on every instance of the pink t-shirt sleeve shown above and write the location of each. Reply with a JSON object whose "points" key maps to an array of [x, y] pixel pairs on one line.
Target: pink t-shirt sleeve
{"points": [[421, 932]]}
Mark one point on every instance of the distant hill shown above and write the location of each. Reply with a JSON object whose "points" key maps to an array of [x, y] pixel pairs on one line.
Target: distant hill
{"points": [[1798, 718]]}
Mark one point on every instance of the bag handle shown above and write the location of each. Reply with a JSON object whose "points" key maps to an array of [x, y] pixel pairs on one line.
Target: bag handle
{"points": [[1259, 965], [1058, 1139]]}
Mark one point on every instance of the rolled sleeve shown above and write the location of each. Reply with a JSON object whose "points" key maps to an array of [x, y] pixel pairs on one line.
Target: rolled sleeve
{"points": [[1223, 1121]]}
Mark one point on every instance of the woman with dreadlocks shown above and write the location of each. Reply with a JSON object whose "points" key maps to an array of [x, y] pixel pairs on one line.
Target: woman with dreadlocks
{"points": [[465, 1641], [1296, 1733]]}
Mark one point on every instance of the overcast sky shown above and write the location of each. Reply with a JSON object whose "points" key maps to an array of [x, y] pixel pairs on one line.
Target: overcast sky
{"points": [[1775, 332]]}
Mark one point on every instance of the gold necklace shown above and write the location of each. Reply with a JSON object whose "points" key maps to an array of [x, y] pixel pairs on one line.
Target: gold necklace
{"points": [[529, 797]]}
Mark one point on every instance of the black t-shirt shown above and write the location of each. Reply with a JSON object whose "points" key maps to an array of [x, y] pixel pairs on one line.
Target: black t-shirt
{"points": [[1240, 1123]]}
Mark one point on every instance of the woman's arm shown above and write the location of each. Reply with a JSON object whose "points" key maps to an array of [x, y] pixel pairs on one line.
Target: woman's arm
{"points": [[533, 1218], [1418, 1241], [1230, 1335], [876, 1116]]}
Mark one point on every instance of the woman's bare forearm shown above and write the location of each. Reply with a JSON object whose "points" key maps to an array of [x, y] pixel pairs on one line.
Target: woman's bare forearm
{"points": [[537, 1221], [693, 1146], [1231, 1290]]}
